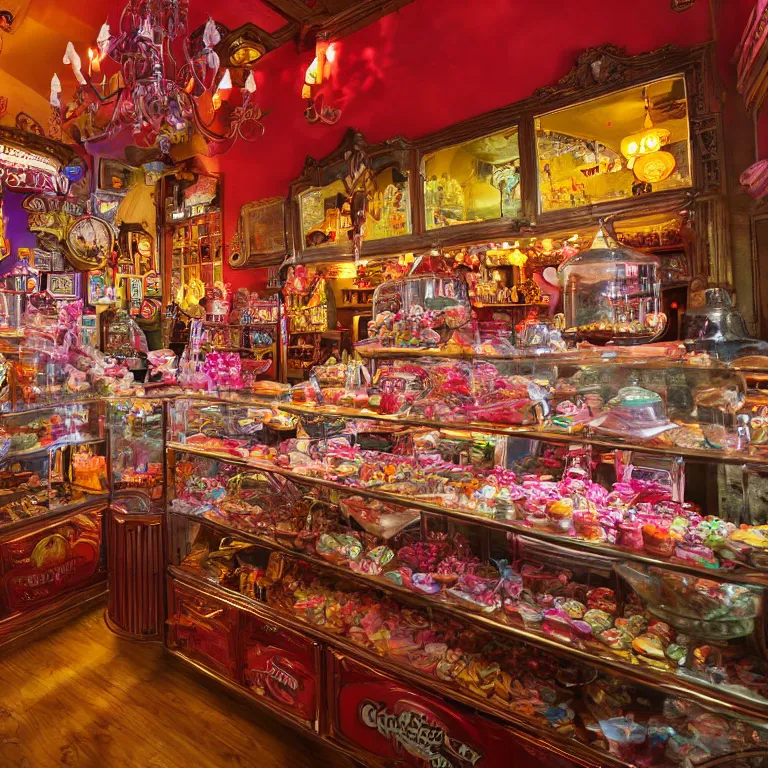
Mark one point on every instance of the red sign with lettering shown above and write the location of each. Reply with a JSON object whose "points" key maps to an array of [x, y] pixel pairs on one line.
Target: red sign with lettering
{"points": [[284, 668], [40, 566], [391, 720]]}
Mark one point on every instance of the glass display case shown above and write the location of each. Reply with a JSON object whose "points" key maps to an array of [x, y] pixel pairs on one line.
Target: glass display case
{"points": [[53, 459], [419, 312], [54, 488], [514, 536], [137, 443]]}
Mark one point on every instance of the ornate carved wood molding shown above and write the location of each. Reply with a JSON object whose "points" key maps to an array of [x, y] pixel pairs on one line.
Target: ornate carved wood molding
{"points": [[681, 5], [336, 18], [359, 15], [64, 153], [608, 65]]}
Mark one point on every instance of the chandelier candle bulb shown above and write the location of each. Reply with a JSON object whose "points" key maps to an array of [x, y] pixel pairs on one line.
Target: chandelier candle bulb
{"points": [[72, 57]]}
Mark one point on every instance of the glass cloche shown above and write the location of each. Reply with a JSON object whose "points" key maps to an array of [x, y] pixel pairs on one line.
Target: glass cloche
{"points": [[612, 293], [421, 311]]}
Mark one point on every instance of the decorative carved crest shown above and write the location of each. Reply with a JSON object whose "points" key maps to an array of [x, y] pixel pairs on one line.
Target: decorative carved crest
{"points": [[27, 123], [355, 163], [681, 5], [605, 65]]}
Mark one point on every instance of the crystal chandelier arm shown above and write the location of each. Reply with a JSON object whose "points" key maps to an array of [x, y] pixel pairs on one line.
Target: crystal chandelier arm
{"points": [[191, 65]]}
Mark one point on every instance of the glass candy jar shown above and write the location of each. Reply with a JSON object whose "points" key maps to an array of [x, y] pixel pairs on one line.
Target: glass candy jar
{"points": [[421, 311], [612, 293]]}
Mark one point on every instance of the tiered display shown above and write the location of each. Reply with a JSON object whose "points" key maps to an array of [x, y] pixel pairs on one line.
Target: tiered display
{"points": [[537, 538]]}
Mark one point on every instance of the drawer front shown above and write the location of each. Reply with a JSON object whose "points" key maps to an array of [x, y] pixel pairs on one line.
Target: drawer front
{"points": [[284, 669], [204, 629], [403, 726], [42, 564]]}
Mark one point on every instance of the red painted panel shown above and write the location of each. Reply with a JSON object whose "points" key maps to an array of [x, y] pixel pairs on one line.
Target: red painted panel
{"points": [[283, 667], [41, 565], [205, 630], [395, 722]]}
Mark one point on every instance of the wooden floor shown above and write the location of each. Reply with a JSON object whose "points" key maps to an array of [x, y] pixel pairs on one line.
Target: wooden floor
{"points": [[82, 698]]}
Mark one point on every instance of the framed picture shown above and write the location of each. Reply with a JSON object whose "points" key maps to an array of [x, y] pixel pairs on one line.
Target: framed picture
{"points": [[62, 285], [114, 176], [42, 261], [263, 230], [98, 292], [106, 205]]}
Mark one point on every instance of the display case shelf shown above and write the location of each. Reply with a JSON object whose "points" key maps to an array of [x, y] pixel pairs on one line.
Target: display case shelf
{"points": [[758, 457], [711, 696], [741, 576], [43, 449], [89, 500]]}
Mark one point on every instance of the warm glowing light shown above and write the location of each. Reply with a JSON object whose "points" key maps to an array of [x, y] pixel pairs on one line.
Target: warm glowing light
{"points": [[649, 140], [20, 158], [655, 167], [330, 54]]}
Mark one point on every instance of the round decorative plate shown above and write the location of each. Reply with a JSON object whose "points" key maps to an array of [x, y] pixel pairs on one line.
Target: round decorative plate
{"points": [[89, 242]]}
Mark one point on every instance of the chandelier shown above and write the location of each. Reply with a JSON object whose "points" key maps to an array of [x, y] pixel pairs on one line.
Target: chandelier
{"points": [[163, 85]]}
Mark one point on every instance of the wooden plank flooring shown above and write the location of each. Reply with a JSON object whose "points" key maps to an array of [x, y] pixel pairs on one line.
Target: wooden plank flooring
{"points": [[83, 698]]}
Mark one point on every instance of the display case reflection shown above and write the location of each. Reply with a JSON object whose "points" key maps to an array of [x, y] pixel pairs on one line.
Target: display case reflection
{"points": [[629, 143], [472, 182]]}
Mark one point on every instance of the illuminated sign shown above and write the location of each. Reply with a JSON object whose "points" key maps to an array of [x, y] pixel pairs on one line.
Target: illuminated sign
{"points": [[27, 171], [21, 159]]}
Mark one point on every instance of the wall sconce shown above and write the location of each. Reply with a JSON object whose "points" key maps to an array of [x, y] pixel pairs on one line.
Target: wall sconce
{"points": [[319, 72]]}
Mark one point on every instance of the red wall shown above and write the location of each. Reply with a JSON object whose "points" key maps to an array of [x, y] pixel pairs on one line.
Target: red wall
{"points": [[431, 64]]}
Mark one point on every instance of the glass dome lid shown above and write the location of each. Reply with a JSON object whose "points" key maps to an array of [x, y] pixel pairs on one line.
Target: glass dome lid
{"points": [[606, 249], [611, 293]]}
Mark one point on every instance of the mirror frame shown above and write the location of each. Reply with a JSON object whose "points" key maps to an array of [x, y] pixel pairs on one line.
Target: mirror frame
{"points": [[597, 72]]}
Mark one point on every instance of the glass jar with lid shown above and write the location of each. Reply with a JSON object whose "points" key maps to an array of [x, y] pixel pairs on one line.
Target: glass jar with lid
{"points": [[419, 311], [612, 293]]}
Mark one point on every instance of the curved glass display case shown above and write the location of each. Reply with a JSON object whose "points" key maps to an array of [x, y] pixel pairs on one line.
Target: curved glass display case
{"points": [[517, 537], [136, 434]]}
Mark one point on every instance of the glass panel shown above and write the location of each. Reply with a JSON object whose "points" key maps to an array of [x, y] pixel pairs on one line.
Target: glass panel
{"points": [[474, 181], [626, 144], [325, 218], [389, 207], [325, 211]]}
